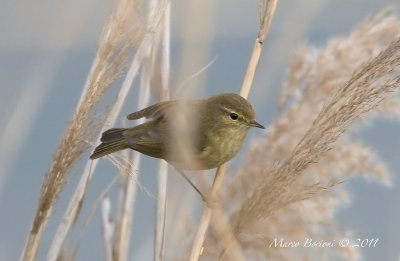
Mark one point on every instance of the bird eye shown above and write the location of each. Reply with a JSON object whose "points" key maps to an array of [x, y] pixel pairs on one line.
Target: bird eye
{"points": [[234, 116]]}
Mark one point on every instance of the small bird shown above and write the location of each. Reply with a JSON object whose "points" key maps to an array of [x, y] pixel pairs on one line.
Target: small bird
{"points": [[190, 135]]}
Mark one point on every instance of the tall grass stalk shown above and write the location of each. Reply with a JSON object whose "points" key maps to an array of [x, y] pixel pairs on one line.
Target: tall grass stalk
{"points": [[267, 11], [128, 188], [159, 244], [157, 11], [108, 227], [112, 52], [142, 52]]}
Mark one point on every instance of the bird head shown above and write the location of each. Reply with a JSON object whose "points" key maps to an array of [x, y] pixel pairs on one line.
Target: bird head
{"points": [[232, 111]]}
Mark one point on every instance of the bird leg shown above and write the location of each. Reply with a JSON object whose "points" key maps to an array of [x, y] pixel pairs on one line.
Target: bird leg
{"points": [[191, 183]]}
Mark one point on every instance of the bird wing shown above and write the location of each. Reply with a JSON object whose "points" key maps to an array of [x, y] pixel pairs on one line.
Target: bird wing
{"points": [[157, 110]]}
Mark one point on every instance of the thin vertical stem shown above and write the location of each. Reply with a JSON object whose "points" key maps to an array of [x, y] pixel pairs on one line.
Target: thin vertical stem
{"points": [[161, 211], [163, 167], [124, 226], [121, 246], [67, 152], [206, 217], [77, 197], [142, 52], [265, 23], [108, 227]]}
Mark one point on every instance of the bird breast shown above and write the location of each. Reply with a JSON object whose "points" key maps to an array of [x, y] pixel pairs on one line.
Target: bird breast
{"points": [[221, 147]]}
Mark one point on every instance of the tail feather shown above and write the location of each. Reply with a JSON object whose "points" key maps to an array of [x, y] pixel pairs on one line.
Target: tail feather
{"points": [[112, 135], [112, 140]]}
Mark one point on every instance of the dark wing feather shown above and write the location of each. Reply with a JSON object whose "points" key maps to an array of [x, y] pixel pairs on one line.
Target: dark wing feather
{"points": [[157, 110], [153, 111]]}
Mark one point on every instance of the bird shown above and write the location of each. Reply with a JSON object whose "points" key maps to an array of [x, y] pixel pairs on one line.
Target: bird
{"points": [[188, 134]]}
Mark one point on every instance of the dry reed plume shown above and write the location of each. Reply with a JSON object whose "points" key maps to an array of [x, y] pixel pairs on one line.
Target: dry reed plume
{"points": [[116, 235], [116, 43], [302, 158]]}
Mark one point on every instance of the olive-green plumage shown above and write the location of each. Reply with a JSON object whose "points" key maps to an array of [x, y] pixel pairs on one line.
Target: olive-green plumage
{"points": [[200, 134]]}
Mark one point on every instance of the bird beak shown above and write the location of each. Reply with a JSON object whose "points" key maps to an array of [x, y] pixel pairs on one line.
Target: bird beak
{"points": [[253, 123]]}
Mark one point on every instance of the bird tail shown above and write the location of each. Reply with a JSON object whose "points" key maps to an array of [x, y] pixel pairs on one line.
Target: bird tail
{"points": [[112, 140]]}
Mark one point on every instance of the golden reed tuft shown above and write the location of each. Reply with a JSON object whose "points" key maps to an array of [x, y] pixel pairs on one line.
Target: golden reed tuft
{"points": [[281, 190]]}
